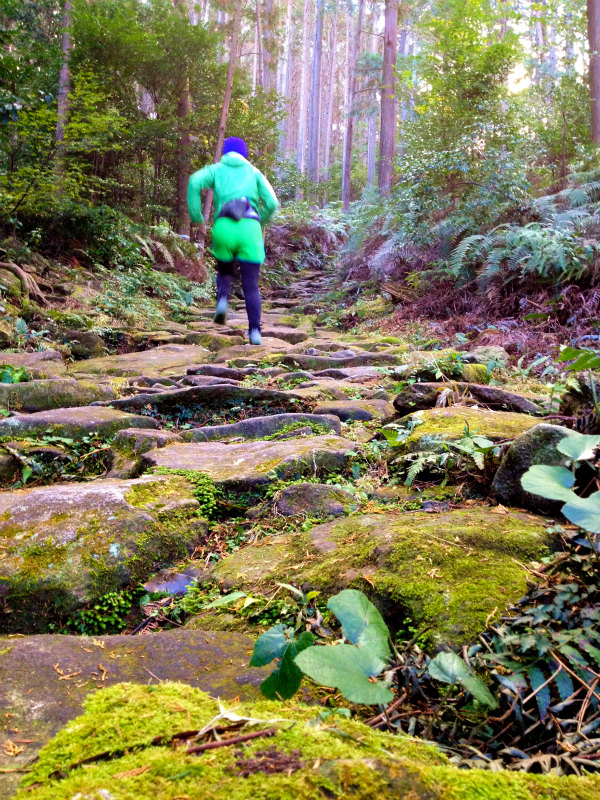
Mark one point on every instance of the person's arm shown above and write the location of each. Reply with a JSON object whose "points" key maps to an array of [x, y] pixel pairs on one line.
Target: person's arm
{"points": [[203, 179], [270, 203]]}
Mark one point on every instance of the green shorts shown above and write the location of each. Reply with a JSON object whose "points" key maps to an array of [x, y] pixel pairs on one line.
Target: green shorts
{"points": [[238, 239]]}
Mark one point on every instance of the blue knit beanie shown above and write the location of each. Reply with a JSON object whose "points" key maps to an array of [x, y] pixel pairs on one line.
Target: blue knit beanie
{"points": [[235, 145]]}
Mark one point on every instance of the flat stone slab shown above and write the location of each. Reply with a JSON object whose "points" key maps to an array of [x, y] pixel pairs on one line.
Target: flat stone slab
{"points": [[450, 423], [41, 364], [314, 500], [287, 334], [366, 410], [353, 373], [74, 422], [425, 395], [169, 359], [251, 464], [318, 363], [44, 394], [261, 427], [243, 354], [68, 544], [448, 570], [220, 396], [40, 704]]}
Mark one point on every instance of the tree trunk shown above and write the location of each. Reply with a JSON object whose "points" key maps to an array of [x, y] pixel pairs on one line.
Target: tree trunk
{"points": [[593, 18], [233, 55], [304, 66], [284, 139], [349, 131], [330, 94], [269, 47], [62, 110], [183, 146], [312, 165], [387, 135]]}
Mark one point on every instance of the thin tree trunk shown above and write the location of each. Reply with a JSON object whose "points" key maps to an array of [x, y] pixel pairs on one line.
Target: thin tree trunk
{"points": [[268, 48], [183, 147], [349, 132], [64, 83], [259, 49], [233, 55], [284, 139], [387, 135], [330, 96], [593, 20], [304, 66], [315, 97]]}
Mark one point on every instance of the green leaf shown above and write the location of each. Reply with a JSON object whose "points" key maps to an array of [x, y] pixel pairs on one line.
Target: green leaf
{"points": [[553, 483], [226, 600], [584, 511], [21, 327], [362, 624], [537, 678], [579, 447], [450, 668], [270, 645], [347, 668], [285, 681]]}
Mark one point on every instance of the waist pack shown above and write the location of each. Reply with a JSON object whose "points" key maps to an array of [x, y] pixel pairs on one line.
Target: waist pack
{"points": [[238, 209]]}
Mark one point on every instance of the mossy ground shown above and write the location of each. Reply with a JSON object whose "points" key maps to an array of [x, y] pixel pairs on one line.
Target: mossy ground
{"points": [[451, 423], [335, 757]]}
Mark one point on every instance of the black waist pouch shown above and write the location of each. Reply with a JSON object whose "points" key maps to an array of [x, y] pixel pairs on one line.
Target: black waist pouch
{"points": [[238, 209]]}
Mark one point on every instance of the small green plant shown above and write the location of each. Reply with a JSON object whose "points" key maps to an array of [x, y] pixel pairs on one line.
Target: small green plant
{"points": [[10, 374], [556, 483], [205, 491], [361, 664], [106, 615]]}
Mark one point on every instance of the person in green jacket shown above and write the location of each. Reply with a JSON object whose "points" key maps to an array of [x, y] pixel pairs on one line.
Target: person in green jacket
{"points": [[244, 201]]}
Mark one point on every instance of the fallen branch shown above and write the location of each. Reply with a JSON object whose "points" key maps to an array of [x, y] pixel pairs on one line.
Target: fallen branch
{"points": [[245, 737]]}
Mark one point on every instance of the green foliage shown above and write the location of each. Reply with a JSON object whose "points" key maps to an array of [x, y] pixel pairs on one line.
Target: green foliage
{"points": [[448, 667], [106, 615], [556, 483], [205, 491], [10, 374]]}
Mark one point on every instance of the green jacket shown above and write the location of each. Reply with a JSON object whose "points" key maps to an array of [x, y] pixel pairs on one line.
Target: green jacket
{"points": [[233, 177]]}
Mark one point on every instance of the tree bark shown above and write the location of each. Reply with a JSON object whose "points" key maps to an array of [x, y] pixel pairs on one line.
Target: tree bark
{"points": [[312, 161], [593, 19], [387, 135], [330, 94], [304, 66], [183, 145], [268, 48], [349, 130], [233, 55], [284, 139], [62, 109]]}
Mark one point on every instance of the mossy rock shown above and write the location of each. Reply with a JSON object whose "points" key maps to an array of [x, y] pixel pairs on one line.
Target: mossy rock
{"points": [[449, 570], [75, 422], [248, 465], [39, 364], [475, 373], [67, 545], [120, 749], [170, 359], [42, 395], [40, 703], [314, 500], [451, 423]]}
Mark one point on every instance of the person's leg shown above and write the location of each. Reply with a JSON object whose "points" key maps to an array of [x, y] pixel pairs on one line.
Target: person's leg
{"points": [[250, 254], [224, 280], [250, 271]]}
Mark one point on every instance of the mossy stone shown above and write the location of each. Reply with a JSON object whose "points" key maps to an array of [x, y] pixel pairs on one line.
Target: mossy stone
{"points": [[452, 422], [475, 373], [448, 570], [42, 395], [130, 727]]}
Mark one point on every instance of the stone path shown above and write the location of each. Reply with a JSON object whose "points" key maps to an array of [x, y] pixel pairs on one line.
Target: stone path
{"points": [[299, 409]]}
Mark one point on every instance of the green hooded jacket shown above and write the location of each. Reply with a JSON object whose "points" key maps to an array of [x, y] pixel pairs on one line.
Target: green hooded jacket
{"points": [[233, 177]]}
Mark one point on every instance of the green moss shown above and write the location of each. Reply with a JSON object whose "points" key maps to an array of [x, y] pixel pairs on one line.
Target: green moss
{"points": [[130, 727], [475, 373], [446, 570], [450, 422]]}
